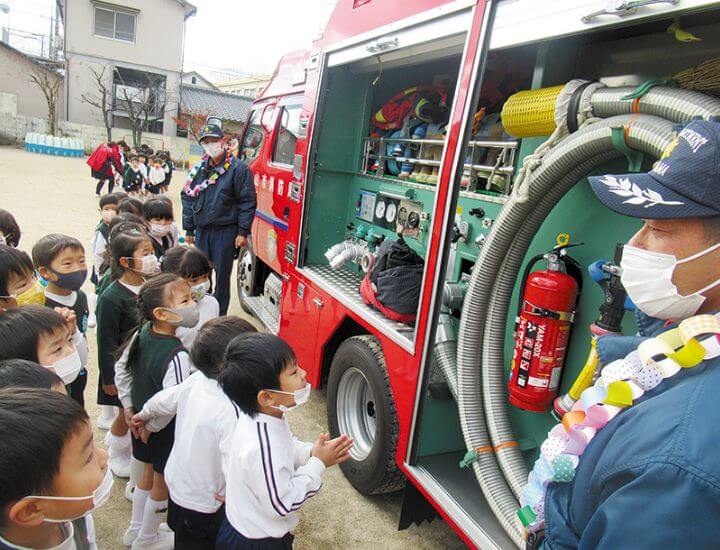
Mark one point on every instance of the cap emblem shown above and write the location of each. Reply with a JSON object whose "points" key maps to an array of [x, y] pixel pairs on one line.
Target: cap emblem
{"points": [[634, 194]]}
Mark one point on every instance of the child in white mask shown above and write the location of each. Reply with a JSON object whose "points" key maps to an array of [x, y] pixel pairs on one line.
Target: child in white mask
{"points": [[51, 472]]}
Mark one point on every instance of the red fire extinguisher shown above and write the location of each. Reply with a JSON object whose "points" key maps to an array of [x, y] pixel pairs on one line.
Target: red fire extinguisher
{"points": [[546, 310]]}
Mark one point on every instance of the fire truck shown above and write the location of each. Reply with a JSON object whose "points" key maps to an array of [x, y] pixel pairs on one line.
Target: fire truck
{"points": [[462, 131]]}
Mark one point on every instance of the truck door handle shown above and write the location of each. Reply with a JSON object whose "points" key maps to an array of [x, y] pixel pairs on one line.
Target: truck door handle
{"points": [[383, 44], [285, 277], [318, 302], [621, 8]]}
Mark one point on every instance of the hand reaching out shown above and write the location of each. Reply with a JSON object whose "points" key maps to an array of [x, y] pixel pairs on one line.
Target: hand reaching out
{"points": [[332, 451]]}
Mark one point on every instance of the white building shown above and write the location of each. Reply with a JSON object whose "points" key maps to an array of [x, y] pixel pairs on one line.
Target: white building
{"points": [[138, 44]]}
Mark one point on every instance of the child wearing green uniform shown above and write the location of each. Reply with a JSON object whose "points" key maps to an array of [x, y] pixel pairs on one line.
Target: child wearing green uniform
{"points": [[132, 259], [156, 360]]}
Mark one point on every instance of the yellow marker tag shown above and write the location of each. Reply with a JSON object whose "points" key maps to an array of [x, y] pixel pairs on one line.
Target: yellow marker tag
{"points": [[458, 210], [563, 239], [619, 394]]}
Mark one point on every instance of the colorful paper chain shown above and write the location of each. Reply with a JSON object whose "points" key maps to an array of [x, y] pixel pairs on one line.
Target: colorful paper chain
{"points": [[218, 171], [620, 384]]}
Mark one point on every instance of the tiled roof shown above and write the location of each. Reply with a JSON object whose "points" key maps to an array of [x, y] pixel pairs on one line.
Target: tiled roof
{"points": [[202, 101]]}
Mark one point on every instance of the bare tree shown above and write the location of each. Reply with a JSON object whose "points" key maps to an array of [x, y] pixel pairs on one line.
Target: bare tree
{"points": [[101, 97], [143, 104], [50, 84]]}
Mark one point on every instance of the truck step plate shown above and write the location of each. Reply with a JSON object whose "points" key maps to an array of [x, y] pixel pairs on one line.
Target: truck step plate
{"points": [[267, 313]]}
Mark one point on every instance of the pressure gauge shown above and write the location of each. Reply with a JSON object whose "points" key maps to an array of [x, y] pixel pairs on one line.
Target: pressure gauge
{"points": [[380, 209], [390, 212], [402, 216]]}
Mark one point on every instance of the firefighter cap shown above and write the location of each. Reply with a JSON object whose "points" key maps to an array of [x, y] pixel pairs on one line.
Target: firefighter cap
{"points": [[211, 130], [684, 183]]}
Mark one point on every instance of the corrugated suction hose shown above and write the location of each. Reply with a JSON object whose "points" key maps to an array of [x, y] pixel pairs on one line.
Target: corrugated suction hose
{"points": [[481, 382]]}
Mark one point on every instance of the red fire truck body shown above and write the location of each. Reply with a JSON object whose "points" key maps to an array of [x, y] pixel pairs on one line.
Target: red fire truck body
{"points": [[290, 132]]}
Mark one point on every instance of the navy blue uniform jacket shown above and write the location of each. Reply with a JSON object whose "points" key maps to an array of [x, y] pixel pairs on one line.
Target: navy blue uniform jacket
{"points": [[230, 201], [651, 477]]}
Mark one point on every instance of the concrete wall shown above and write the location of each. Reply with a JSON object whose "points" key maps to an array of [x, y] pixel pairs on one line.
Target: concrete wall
{"points": [[17, 92], [158, 48], [14, 127]]}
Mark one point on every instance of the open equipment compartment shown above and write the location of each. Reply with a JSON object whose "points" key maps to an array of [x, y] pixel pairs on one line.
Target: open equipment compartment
{"points": [[623, 56], [346, 201]]}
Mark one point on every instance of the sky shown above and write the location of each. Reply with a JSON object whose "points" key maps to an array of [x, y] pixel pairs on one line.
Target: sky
{"points": [[247, 35], [251, 35]]}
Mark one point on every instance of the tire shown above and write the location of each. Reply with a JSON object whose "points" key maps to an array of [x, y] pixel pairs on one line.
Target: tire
{"points": [[360, 404], [246, 286]]}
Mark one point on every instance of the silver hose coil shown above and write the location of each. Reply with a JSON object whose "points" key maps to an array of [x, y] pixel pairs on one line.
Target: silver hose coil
{"points": [[485, 419], [674, 104]]}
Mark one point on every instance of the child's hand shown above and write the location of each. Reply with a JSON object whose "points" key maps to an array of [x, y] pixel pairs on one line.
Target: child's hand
{"points": [[70, 318], [110, 389], [332, 451], [129, 413], [220, 498], [136, 422], [144, 435]]}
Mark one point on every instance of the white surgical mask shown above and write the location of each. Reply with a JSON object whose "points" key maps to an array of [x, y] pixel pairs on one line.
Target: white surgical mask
{"points": [[647, 278], [68, 367], [159, 230], [108, 215], [149, 264], [300, 396], [3, 240], [213, 149], [199, 291], [99, 497]]}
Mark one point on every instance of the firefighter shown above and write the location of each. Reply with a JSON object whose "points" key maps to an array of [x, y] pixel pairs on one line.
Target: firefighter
{"points": [[649, 478], [218, 202]]}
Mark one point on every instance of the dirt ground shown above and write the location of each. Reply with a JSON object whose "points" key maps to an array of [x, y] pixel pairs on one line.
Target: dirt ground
{"points": [[50, 195]]}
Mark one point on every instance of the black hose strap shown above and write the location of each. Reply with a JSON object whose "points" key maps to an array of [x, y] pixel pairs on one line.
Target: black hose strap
{"points": [[572, 111]]}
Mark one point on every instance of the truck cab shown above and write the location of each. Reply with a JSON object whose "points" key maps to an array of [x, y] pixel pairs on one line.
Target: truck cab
{"points": [[443, 125]]}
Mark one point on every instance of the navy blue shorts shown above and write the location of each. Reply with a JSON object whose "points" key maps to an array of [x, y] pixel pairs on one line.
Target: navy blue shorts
{"points": [[157, 450], [230, 539]]}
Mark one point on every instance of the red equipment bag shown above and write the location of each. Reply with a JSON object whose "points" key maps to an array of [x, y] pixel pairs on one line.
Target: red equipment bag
{"points": [[392, 286]]}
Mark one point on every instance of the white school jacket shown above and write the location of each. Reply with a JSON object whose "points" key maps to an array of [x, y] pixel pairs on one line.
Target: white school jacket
{"points": [[270, 474], [204, 426]]}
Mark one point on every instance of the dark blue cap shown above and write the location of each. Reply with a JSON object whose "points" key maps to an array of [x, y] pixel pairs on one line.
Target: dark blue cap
{"points": [[211, 130], [684, 183]]}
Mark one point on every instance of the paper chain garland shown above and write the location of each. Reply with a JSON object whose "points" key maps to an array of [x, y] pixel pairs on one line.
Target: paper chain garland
{"points": [[619, 385], [212, 180]]}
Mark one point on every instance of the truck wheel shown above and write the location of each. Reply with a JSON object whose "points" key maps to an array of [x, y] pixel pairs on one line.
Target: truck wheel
{"points": [[360, 405], [245, 277]]}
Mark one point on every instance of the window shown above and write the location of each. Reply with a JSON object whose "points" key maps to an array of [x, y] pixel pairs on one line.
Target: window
{"points": [[287, 135], [113, 24], [252, 144]]}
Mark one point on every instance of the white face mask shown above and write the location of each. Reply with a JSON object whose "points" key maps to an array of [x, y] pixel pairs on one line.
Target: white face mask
{"points": [[214, 148], [68, 367], [189, 315], [108, 215], [3, 240], [647, 278], [99, 497], [159, 230], [300, 396], [199, 291]]}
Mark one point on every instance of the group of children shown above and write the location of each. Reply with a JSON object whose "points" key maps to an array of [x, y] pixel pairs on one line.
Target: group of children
{"points": [[193, 402], [147, 172]]}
